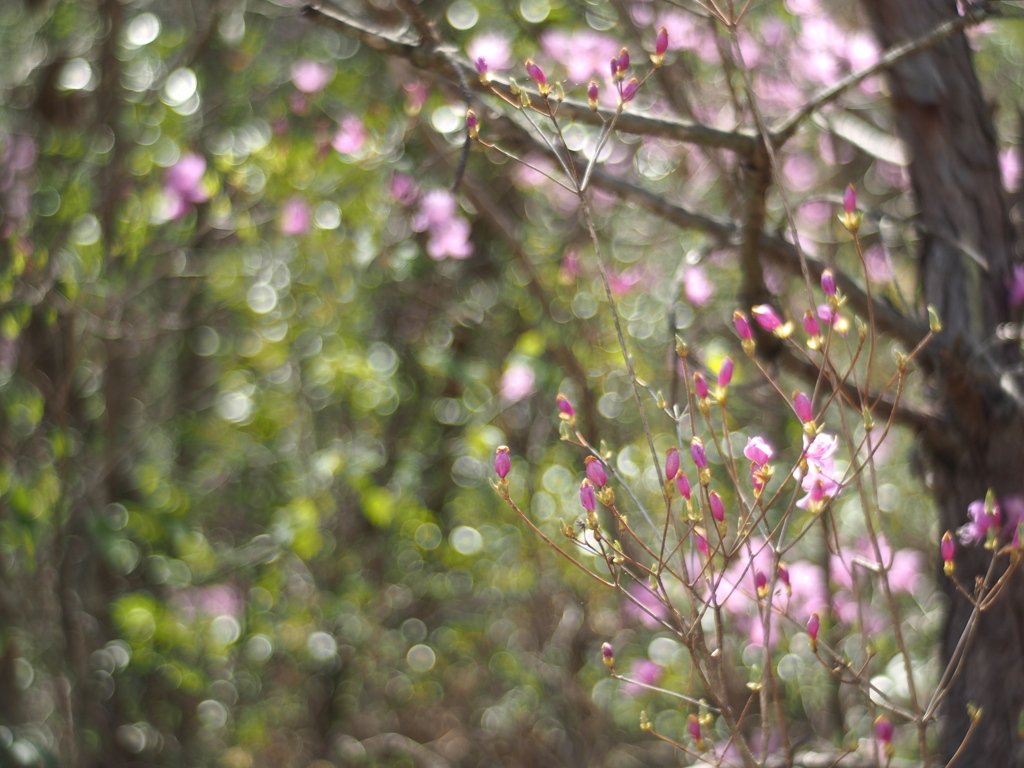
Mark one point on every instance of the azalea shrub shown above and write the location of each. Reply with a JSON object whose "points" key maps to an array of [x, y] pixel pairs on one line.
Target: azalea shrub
{"points": [[275, 283]]}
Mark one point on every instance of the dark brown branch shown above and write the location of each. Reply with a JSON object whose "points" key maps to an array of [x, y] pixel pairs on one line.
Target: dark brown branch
{"points": [[882, 407], [440, 61], [887, 318]]}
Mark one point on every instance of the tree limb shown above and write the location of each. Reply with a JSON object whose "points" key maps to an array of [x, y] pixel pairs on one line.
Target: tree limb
{"points": [[891, 58], [440, 61]]}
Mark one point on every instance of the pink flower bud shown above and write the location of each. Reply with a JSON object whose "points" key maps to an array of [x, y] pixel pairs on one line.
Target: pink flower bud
{"points": [[948, 547], [717, 507], [615, 68], [472, 125], [766, 317], [761, 584], [535, 72], [629, 89], [592, 95], [802, 406], [883, 730], [828, 283], [481, 66], [700, 386], [608, 656], [811, 324], [700, 458], [587, 496], [742, 326], [813, 625], [693, 726], [784, 577], [661, 42], [948, 550], [850, 199], [725, 373], [672, 463], [702, 543], [595, 471], [683, 485], [565, 406], [502, 461]]}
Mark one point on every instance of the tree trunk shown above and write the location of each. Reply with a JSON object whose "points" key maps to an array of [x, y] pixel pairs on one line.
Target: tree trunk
{"points": [[966, 241]]}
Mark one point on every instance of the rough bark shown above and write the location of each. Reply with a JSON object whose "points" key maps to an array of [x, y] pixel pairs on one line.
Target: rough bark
{"points": [[977, 442]]}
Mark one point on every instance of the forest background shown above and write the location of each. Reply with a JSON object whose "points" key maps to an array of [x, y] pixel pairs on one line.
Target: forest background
{"points": [[256, 357]]}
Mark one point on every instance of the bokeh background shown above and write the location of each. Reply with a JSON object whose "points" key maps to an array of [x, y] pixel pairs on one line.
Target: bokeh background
{"points": [[255, 357]]}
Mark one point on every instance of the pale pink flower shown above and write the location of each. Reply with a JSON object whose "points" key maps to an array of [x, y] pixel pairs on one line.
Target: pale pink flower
{"points": [[296, 217], [517, 382], [311, 76], [350, 136]]}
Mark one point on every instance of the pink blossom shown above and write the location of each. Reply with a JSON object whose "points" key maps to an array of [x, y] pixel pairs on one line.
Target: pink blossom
{"points": [[1016, 286], [295, 218], [583, 53], [311, 76], [648, 607], [1009, 165], [697, 287], [623, 282], [448, 232], [977, 530], [493, 48], [403, 189], [758, 450], [517, 382], [350, 136], [183, 184], [645, 672], [570, 267]]}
